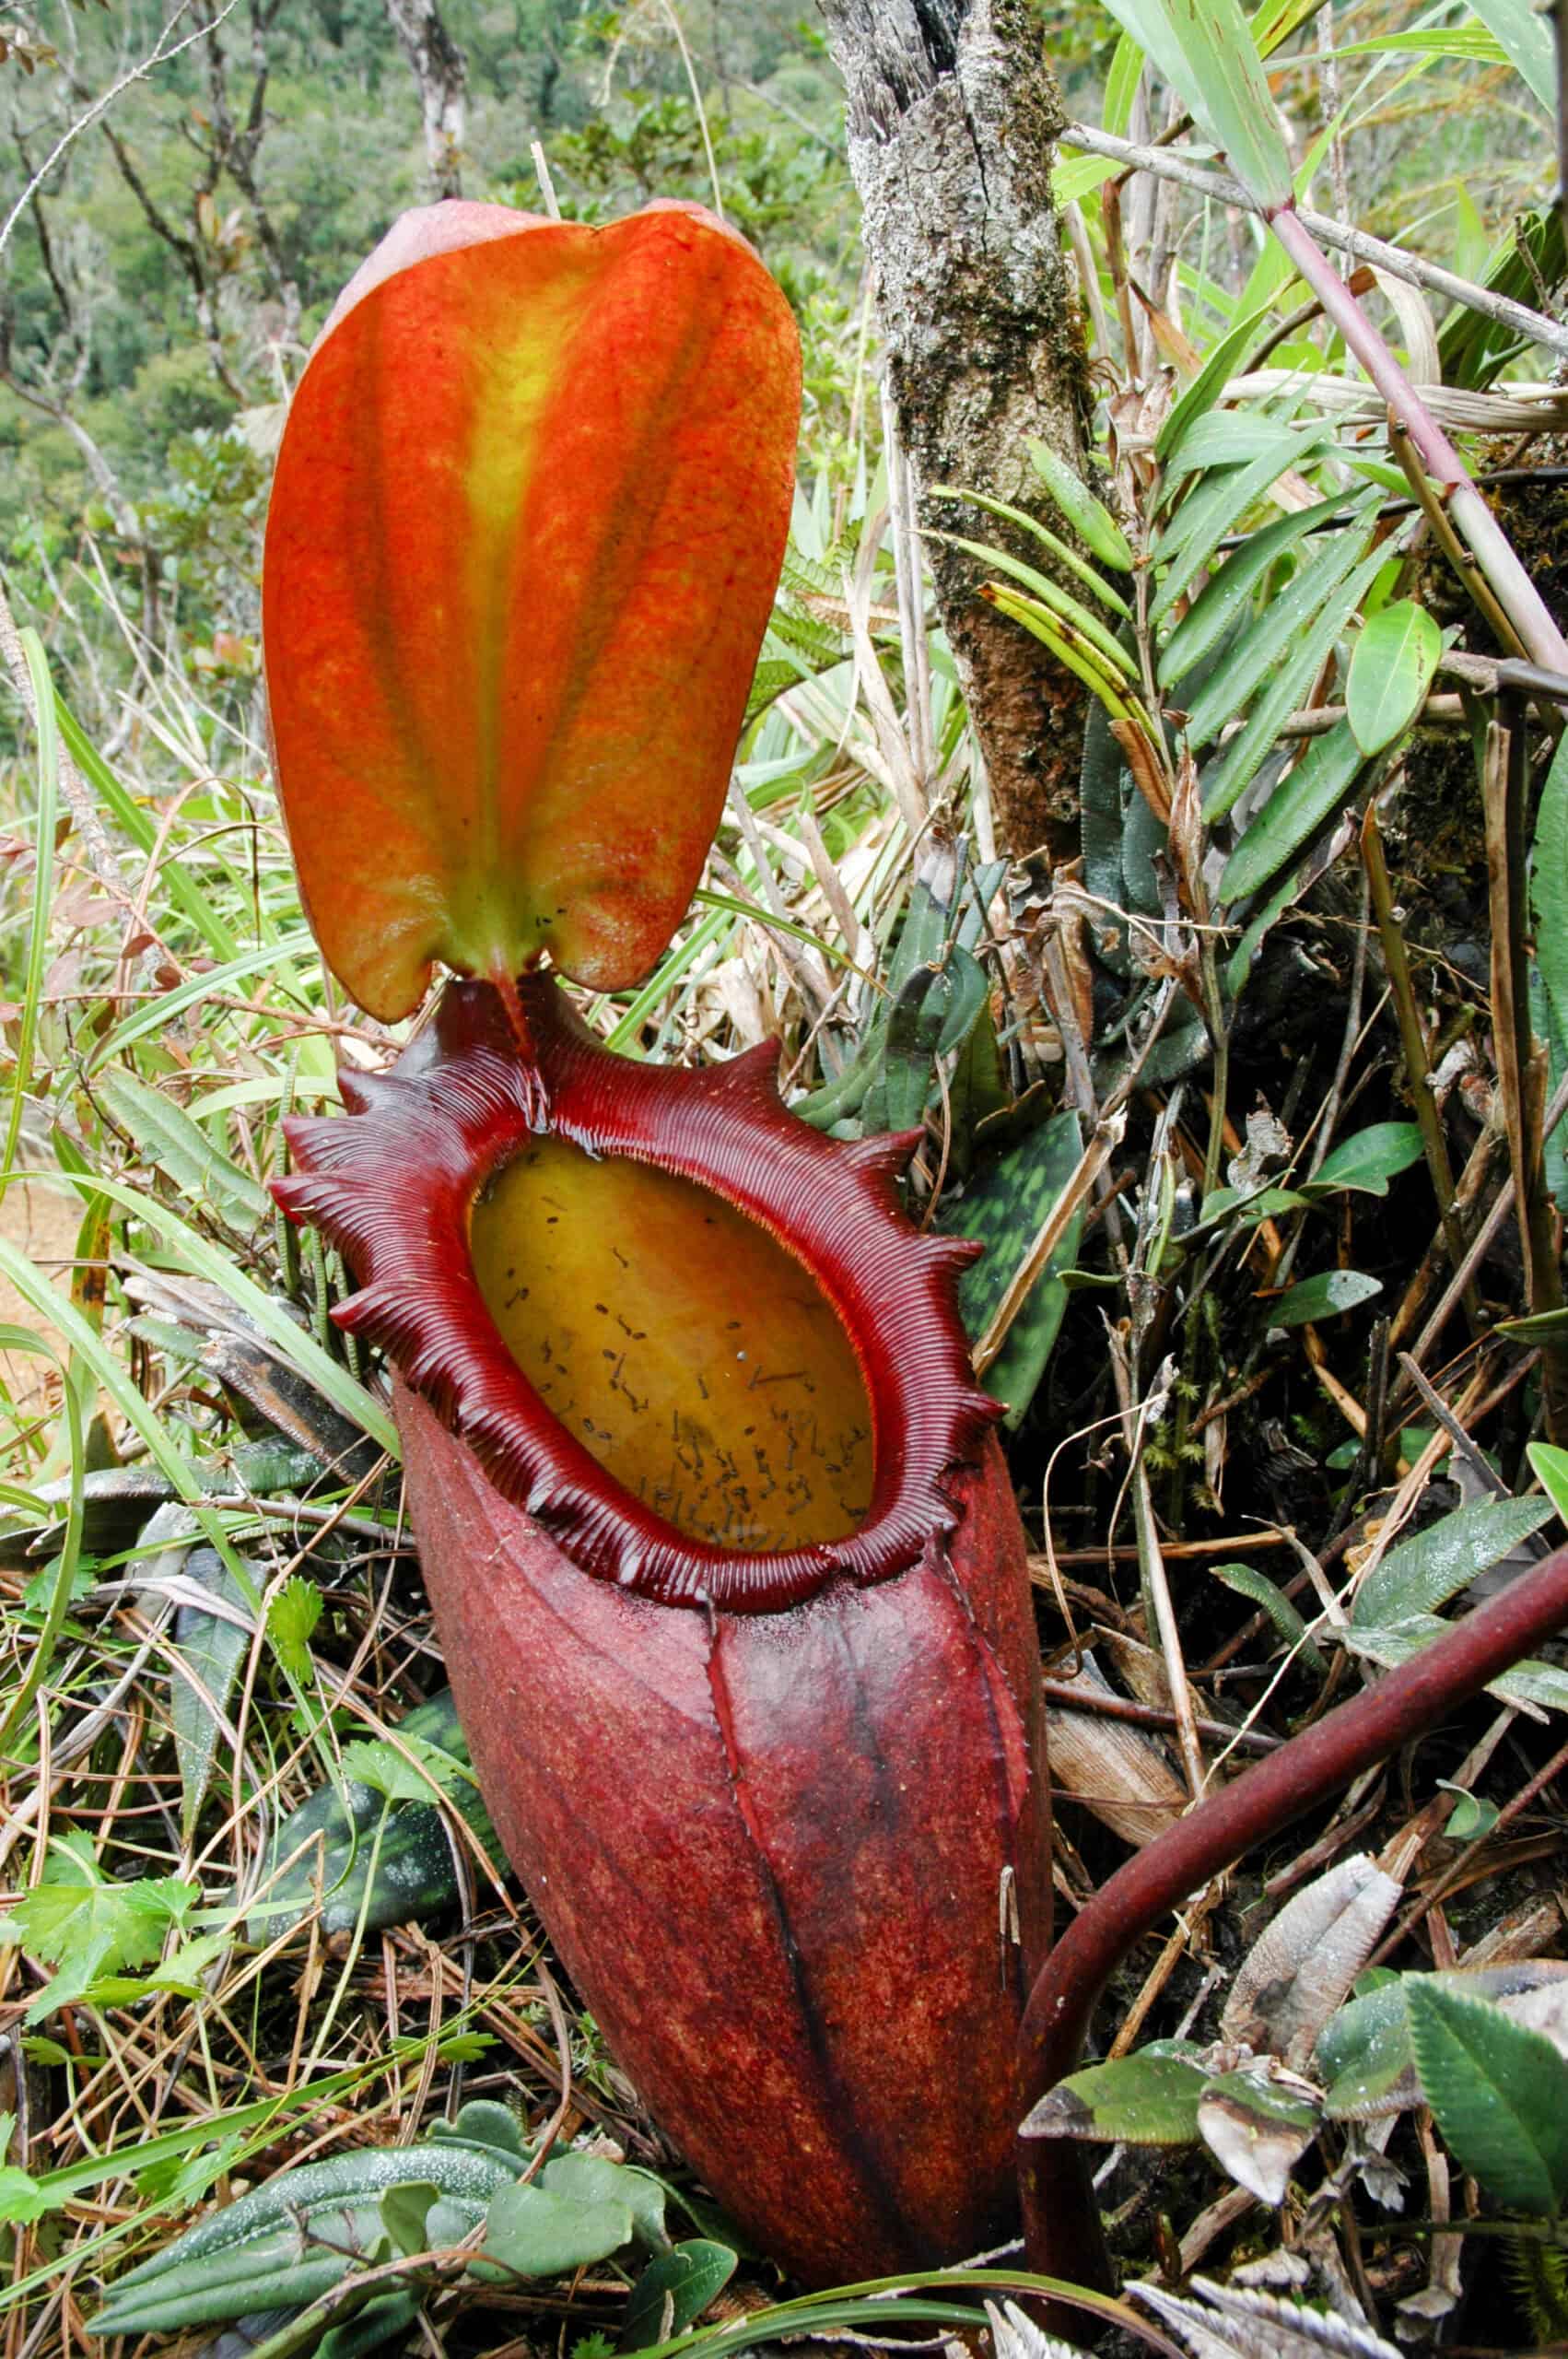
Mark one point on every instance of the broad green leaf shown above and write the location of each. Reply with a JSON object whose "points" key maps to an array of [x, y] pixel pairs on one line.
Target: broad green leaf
{"points": [[1421, 1574], [169, 1142], [1549, 1466], [1090, 519], [1522, 32], [1242, 759], [1121, 86], [673, 2291], [1393, 1643], [1220, 365], [1499, 2093], [590, 2179], [1390, 673], [1145, 2099], [1364, 2053], [1247, 1581], [1259, 652], [534, 2234], [1368, 1159], [1321, 1298], [1321, 782], [1229, 592]]}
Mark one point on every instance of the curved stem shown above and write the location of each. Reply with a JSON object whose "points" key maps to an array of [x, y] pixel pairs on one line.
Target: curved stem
{"points": [[1489, 546], [1061, 2226]]}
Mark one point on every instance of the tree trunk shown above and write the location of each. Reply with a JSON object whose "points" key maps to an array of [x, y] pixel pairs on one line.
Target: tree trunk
{"points": [[440, 70], [953, 116]]}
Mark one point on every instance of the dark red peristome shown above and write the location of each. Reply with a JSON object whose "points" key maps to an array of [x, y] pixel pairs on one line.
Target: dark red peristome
{"points": [[781, 1842], [394, 1189]]}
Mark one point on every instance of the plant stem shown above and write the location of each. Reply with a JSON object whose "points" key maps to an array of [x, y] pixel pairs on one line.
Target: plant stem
{"points": [[1413, 1041], [1516, 593], [1061, 2223]]}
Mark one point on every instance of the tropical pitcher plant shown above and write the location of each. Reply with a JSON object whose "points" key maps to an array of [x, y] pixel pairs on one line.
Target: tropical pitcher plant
{"points": [[724, 1556], [725, 1560]]}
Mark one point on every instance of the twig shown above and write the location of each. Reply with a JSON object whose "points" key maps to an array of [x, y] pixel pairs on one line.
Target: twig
{"points": [[1170, 165]]}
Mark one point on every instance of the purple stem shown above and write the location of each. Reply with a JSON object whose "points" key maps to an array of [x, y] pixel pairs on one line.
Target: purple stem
{"points": [[1061, 2223], [1516, 593]]}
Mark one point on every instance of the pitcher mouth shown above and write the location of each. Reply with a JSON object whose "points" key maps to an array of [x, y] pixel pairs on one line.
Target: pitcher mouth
{"points": [[397, 1186]]}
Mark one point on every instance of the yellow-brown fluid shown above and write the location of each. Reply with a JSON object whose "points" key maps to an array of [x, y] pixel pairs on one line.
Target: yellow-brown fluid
{"points": [[698, 1361]]}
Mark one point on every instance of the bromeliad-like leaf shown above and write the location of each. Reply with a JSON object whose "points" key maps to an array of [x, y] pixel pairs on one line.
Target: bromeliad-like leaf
{"points": [[1094, 524], [1323, 779], [1499, 2092], [527, 521], [1390, 673], [1259, 650], [1425, 1572]]}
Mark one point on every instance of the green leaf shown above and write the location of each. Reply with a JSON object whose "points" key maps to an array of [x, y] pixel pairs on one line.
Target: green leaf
{"points": [[673, 2291], [1367, 1160], [1548, 883], [87, 1926], [1093, 522], [1393, 1643], [1259, 652], [1323, 779], [1005, 1206], [1472, 1816], [1244, 755], [404, 2211], [1197, 399], [1112, 654], [1522, 31], [1421, 1574], [1228, 593], [1363, 2051], [1499, 2093], [1214, 507], [1322, 1297], [291, 1618], [384, 1768], [1549, 1466], [593, 2179], [212, 1647], [532, 2233], [1390, 673], [1145, 2099], [1247, 1581], [1048, 540], [168, 1141], [21, 2198], [1204, 50]]}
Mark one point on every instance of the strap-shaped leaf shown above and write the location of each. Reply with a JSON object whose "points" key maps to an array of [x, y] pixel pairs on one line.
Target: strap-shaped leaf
{"points": [[1216, 508], [1261, 649], [1423, 1573], [1323, 779], [1225, 595], [1225, 780], [528, 518]]}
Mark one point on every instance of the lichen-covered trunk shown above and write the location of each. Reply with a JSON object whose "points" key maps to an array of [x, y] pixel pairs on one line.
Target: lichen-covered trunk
{"points": [[953, 116]]}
